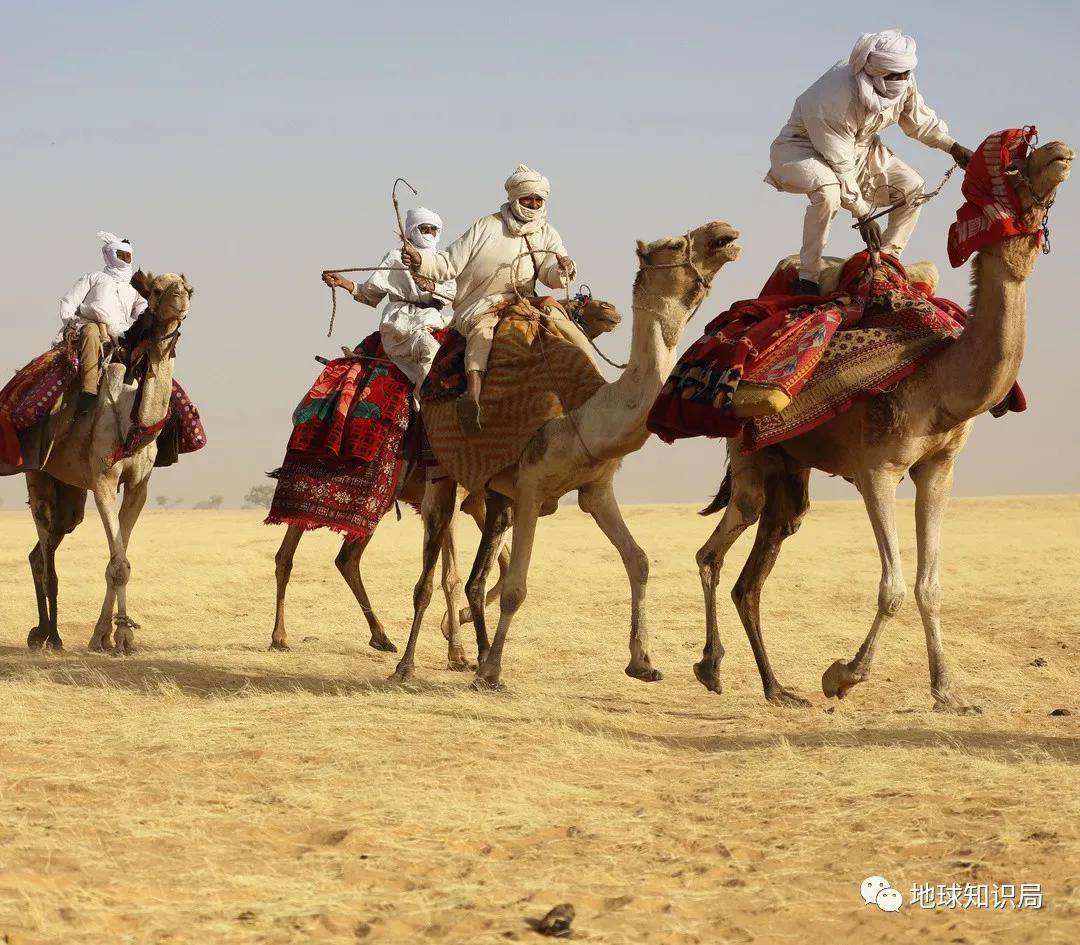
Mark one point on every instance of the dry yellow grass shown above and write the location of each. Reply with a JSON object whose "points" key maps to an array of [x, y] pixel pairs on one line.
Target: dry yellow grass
{"points": [[208, 791]]}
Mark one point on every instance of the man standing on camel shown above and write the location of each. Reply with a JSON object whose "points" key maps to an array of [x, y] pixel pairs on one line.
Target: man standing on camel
{"points": [[101, 306], [499, 256], [415, 307], [831, 151]]}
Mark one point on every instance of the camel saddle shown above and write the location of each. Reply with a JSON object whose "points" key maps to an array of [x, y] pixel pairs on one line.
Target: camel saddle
{"points": [[534, 375]]}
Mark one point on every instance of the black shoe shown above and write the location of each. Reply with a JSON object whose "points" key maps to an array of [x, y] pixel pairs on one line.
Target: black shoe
{"points": [[805, 287], [84, 404]]}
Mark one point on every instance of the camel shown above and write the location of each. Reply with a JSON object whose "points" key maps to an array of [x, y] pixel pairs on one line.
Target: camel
{"points": [[915, 429], [595, 317], [79, 462], [582, 450]]}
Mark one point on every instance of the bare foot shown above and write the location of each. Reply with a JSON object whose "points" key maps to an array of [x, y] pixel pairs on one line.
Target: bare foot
{"points": [[947, 702], [785, 697], [644, 671], [402, 674], [708, 674], [456, 660], [381, 642], [36, 638], [838, 679]]}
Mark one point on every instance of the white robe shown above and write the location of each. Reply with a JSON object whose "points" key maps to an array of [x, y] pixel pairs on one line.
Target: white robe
{"points": [[98, 297], [829, 125], [481, 260], [408, 318]]}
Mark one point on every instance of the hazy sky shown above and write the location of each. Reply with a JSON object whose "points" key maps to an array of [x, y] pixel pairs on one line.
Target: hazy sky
{"points": [[253, 144]]}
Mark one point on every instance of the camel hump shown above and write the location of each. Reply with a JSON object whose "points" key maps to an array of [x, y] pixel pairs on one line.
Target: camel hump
{"points": [[923, 272]]}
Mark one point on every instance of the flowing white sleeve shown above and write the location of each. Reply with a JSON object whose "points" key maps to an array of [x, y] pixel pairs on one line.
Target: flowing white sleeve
{"points": [[919, 121], [446, 264], [69, 304], [550, 274], [378, 286]]}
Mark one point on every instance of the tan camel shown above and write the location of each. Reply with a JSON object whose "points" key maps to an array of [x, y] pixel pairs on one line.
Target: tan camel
{"points": [[79, 463], [915, 429], [595, 317], [348, 564], [582, 451]]}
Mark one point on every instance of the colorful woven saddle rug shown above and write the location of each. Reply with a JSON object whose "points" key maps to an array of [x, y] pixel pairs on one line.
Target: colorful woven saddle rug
{"points": [[36, 391], [534, 375], [823, 353], [344, 457]]}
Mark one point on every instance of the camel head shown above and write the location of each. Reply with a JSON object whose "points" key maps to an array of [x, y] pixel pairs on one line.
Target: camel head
{"points": [[595, 316], [1035, 180], [675, 274], [168, 296]]}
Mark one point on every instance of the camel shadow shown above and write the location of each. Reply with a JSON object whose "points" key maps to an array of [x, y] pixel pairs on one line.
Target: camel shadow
{"points": [[151, 674]]}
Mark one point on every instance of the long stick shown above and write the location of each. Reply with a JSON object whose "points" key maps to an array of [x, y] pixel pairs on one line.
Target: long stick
{"points": [[397, 209]]}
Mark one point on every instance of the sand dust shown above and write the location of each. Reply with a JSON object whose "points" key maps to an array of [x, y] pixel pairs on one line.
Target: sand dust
{"points": [[208, 791]]}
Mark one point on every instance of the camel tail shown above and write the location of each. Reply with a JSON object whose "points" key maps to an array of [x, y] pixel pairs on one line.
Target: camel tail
{"points": [[723, 496]]}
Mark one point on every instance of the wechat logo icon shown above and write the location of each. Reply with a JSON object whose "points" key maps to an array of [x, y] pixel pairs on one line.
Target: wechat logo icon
{"points": [[878, 891]]}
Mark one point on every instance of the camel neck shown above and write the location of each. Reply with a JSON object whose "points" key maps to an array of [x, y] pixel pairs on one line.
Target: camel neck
{"points": [[629, 399], [980, 368], [157, 385]]}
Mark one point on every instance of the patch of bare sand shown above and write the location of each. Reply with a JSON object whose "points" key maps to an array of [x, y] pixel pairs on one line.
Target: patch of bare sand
{"points": [[206, 790]]}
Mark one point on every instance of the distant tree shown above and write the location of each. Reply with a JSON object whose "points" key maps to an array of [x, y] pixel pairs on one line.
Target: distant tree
{"points": [[213, 503], [176, 502], [260, 496], [162, 501]]}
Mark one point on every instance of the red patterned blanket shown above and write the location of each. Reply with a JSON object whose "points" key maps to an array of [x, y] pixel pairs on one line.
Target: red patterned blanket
{"points": [[345, 454], [824, 353], [30, 396]]}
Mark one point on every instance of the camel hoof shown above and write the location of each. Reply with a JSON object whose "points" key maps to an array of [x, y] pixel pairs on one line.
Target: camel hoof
{"points": [[838, 680], [97, 645], [645, 673], [54, 643], [956, 707], [280, 645], [708, 675], [788, 699], [383, 644], [37, 638], [456, 660], [483, 684], [401, 675]]}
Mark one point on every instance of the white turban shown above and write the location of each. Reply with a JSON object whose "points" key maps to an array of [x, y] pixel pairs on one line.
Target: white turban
{"points": [[875, 56], [114, 266], [414, 219], [521, 220]]}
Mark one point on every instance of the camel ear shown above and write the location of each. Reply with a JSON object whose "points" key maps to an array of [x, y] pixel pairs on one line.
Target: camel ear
{"points": [[642, 249], [187, 285]]}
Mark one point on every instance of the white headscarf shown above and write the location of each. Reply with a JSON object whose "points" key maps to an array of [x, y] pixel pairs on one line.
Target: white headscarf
{"points": [[414, 219], [521, 220], [875, 56], [114, 266]]}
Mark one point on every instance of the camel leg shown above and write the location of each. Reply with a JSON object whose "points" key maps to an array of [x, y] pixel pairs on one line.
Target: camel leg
{"points": [[878, 488], [475, 506], [515, 589], [599, 501], [786, 503], [131, 507], [348, 565], [743, 509], [56, 511], [437, 511], [118, 570], [496, 523], [283, 565], [933, 485], [451, 582]]}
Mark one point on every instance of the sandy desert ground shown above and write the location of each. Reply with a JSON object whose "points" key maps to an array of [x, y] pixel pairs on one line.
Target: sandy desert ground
{"points": [[208, 791]]}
